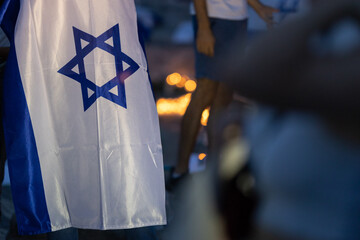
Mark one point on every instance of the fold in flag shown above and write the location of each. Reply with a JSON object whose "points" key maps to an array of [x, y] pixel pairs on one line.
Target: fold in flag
{"points": [[81, 127]]}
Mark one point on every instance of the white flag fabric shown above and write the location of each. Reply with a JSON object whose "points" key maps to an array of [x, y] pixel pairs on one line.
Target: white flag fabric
{"points": [[81, 127]]}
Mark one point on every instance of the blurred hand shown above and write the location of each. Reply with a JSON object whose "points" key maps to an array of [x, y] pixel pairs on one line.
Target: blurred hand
{"points": [[266, 13], [205, 42]]}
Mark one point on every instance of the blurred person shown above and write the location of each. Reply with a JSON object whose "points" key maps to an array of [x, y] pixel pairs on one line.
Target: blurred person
{"points": [[81, 127], [305, 134], [216, 24]]}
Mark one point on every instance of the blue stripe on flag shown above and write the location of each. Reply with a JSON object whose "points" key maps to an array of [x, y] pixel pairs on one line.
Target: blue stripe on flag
{"points": [[23, 160]]}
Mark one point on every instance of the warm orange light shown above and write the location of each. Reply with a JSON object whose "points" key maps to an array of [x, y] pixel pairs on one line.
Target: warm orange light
{"points": [[205, 116], [178, 106], [173, 106], [202, 156], [173, 79], [182, 82], [190, 85]]}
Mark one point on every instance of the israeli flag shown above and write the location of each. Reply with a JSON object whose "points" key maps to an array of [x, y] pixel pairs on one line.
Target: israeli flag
{"points": [[82, 131]]}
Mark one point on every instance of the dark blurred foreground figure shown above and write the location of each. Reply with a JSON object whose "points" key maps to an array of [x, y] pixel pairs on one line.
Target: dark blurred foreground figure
{"points": [[305, 135]]}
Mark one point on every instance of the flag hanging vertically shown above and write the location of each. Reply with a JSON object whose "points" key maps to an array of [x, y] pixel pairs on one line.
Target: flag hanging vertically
{"points": [[81, 128]]}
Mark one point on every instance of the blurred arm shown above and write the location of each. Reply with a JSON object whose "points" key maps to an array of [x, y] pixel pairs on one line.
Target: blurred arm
{"points": [[205, 40], [264, 12]]}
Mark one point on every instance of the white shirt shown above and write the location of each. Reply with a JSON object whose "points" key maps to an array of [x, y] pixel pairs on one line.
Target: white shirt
{"points": [[225, 9]]}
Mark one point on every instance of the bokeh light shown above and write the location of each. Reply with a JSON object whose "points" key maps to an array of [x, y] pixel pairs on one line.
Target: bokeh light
{"points": [[182, 82], [178, 106], [173, 79], [190, 85], [202, 156], [205, 116], [173, 106]]}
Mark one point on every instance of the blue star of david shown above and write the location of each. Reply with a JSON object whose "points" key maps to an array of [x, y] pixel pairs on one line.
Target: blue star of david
{"points": [[121, 74]]}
